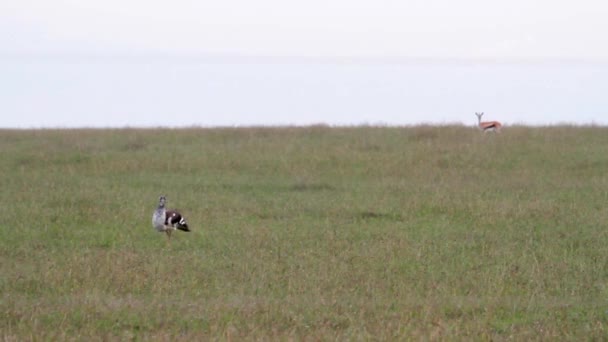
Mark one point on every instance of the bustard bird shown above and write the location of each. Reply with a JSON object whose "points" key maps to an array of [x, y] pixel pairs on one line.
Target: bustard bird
{"points": [[168, 220]]}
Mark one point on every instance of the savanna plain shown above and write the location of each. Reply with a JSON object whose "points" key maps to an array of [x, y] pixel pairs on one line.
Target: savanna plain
{"points": [[305, 233]]}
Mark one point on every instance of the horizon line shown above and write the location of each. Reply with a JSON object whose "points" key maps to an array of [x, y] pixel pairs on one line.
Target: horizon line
{"points": [[312, 125]]}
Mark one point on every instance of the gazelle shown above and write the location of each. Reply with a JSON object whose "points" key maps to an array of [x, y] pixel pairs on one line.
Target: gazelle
{"points": [[488, 125]]}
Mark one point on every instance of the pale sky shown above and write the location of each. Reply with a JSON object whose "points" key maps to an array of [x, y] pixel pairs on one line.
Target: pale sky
{"points": [[562, 29], [89, 38]]}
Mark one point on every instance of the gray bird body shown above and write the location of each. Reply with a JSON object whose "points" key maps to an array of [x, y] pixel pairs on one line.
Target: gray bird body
{"points": [[159, 216], [164, 220]]}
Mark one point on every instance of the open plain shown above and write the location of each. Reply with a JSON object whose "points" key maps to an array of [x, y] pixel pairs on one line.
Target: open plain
{"points": [[310, 233]]}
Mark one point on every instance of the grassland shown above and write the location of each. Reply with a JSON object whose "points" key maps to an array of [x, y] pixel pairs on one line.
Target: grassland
{"points": [[312, 233]]}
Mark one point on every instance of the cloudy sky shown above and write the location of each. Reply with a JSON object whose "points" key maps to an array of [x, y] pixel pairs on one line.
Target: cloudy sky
{"points": [[515, 30]]}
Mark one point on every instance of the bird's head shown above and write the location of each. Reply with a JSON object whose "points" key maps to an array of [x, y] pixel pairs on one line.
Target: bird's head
{"points": [[161, 201]]}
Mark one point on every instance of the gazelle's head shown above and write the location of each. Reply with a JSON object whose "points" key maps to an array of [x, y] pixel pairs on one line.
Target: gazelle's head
{"points": [[479, 115], [161, 201]]}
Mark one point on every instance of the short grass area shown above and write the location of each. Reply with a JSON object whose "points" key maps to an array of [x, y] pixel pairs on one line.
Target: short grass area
{"points": [[353, 233]]}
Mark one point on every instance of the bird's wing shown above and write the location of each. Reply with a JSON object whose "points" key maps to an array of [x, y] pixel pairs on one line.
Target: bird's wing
{"points": [[172, 217]]}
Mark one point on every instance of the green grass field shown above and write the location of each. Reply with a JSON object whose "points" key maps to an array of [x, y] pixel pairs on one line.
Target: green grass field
{"points": [[312, 233]]}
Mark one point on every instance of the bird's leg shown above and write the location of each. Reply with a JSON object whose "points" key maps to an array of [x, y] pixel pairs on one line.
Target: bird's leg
{"points": [[168, 231]]}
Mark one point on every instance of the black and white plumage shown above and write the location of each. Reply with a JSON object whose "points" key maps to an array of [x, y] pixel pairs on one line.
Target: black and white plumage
{"points": [[167, 221]]}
